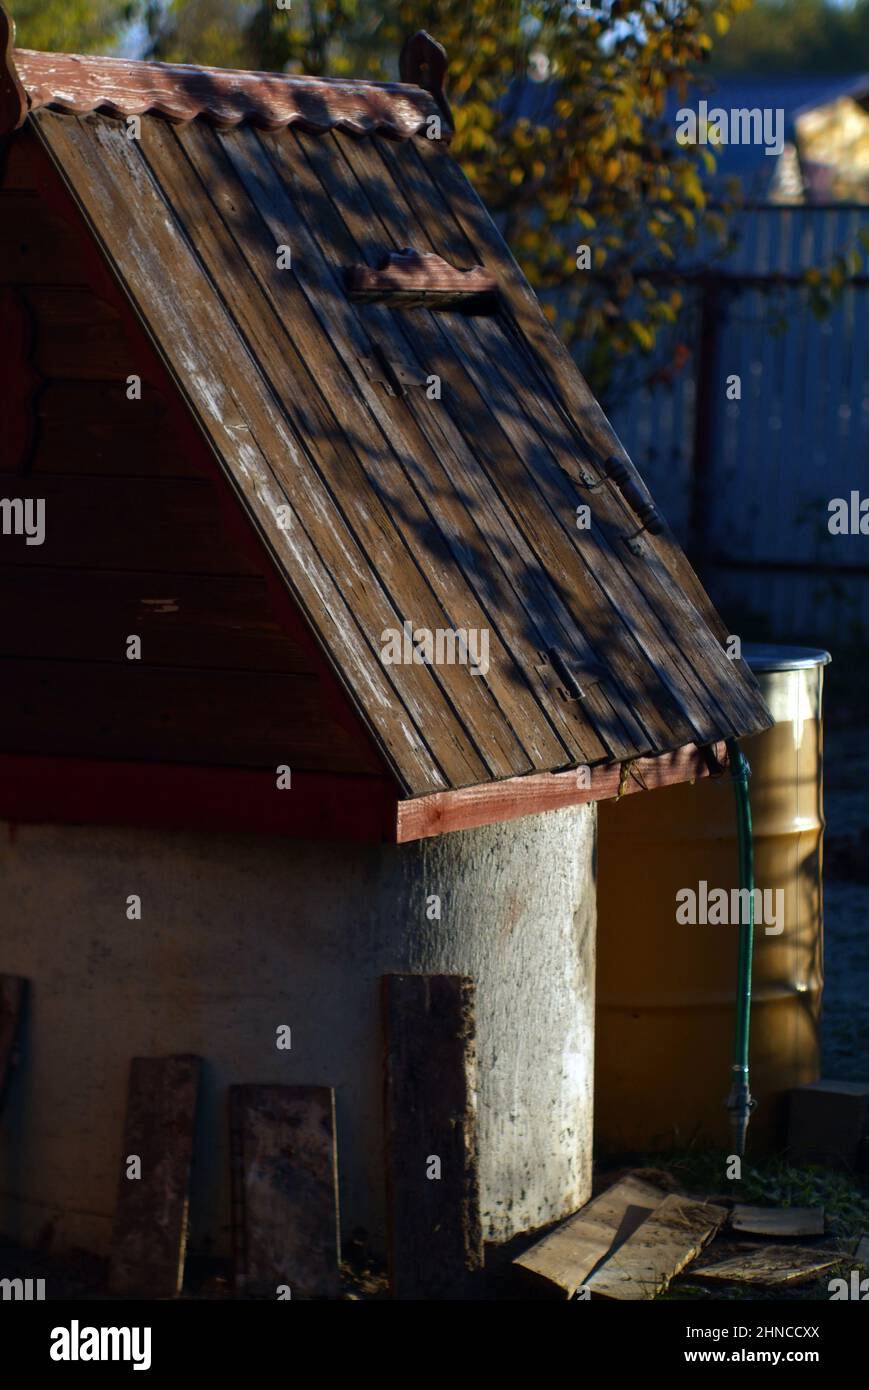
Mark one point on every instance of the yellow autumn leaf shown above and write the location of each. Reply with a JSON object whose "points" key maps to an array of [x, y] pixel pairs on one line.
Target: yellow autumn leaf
{"points": [[641, 334]]}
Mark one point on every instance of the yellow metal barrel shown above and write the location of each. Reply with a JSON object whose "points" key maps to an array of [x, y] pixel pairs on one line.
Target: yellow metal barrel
{"points": [[666, 984]]}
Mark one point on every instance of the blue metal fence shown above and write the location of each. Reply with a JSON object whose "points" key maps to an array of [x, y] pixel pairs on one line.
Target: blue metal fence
{"points": [[746, 483]]}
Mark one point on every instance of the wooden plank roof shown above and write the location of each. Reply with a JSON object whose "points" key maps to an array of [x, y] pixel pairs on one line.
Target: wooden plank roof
{"points": [[381, 504]]}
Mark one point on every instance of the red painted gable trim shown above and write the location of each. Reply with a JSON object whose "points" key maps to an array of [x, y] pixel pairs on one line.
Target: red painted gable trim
{"points": [[168, 796]]}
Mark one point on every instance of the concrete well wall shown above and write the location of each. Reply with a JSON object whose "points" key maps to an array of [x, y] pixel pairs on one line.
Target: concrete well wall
{"points": [[240, 935]]}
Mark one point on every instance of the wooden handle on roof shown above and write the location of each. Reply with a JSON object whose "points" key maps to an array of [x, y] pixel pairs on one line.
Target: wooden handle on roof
{"points": [[13, 98], [423, 62]]}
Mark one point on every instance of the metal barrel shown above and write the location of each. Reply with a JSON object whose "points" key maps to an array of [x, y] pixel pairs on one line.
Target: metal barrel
{"points": [[666, 987]]}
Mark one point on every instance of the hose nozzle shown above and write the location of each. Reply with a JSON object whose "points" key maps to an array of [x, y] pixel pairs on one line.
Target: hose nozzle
{"points": [[740, 1104]]}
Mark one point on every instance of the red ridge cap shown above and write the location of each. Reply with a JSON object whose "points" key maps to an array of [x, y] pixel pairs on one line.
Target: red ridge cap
{"points": [[124, 87]]}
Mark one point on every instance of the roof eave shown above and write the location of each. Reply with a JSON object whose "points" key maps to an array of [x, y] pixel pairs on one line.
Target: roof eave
{"points": [[494, 802]]}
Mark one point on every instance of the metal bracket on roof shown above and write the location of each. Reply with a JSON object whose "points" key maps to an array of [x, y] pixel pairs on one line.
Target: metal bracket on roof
{"points": [[395, 376], [588, 478]]}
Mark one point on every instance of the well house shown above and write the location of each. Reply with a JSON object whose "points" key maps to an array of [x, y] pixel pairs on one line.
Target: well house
{"points": [[346, 607]]}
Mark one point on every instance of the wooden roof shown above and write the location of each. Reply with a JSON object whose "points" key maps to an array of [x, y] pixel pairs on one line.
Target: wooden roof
{"points": [[379, 503]]}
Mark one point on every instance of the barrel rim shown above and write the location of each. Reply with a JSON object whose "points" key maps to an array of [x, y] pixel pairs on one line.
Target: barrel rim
{"points": [[769, 656]]}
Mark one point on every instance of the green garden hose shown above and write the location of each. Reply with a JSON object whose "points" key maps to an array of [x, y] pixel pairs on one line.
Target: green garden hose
{"points": [[740, 1102]]}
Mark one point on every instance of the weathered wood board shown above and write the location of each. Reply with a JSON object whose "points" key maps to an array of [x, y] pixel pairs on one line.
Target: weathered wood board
{"points": [[548, 791], [663, 1245], [285, 1191], [435, 1232], [149, 1238], [410, 277], [778, 1221], [562, 1260], [770, 1265], [13, 991]]}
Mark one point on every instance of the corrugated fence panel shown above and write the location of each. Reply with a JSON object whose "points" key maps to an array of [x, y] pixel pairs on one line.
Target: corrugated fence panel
{"points": [[797, 437]]}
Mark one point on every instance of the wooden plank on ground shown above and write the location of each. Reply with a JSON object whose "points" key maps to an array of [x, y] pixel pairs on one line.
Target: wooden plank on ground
{"points": [[560, 1263], [13, 991], [149, 1239], [435, 1230], [778, 1221], [663, 1245], [770, 1265], [285, 1191]]}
